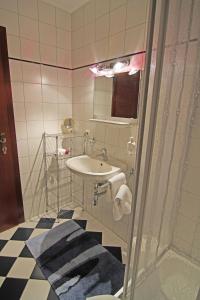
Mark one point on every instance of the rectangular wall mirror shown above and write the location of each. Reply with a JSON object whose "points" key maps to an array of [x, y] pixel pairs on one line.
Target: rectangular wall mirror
{"points": [[116, 95]]}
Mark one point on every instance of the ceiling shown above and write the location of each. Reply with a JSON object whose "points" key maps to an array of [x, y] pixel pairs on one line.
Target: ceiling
{"points": [[68, 5]]}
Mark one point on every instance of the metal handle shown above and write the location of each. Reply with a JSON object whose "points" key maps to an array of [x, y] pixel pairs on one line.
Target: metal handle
{"points": [[2, 143]]}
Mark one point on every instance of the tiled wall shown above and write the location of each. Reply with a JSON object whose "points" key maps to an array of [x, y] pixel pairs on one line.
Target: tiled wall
{"points": [[177, 94], [106, 29], [173, 202], [42, 95], [186, 237], [113, 138], [37, 31], [187, 227]]}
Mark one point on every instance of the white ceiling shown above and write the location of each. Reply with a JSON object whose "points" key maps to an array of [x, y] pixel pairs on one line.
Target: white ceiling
{"points": [[68, 5]]}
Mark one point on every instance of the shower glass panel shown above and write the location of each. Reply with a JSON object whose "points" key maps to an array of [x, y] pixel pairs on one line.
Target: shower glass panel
{"points": [[168, 264]]}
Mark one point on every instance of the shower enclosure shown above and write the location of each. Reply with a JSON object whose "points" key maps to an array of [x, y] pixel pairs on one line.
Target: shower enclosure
{"points": [[164, 248]]}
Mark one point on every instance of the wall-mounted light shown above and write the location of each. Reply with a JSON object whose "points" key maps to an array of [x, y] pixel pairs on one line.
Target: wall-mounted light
{"points": [[110, 69]]}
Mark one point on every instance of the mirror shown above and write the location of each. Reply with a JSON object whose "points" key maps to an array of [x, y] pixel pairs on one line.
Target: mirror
{"points": [[116, 97]]}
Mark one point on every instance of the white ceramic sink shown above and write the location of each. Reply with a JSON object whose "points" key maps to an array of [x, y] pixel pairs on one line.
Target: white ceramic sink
{"points": [[90, 167]]}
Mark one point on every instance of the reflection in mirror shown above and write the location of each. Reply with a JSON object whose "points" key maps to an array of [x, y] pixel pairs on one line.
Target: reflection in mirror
{"points": [[116, 90], [125, 95]]}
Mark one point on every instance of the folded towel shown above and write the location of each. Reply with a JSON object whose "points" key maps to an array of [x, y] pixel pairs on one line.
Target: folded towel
{"points": [[63, 151], [115, 183], [122, 202]]}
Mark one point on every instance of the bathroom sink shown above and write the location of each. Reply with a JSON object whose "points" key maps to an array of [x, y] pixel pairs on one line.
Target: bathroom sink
{"points": [[92, 168]]}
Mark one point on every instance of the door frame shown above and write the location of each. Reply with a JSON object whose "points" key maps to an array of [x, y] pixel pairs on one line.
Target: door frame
{"points": [[4, 64]]}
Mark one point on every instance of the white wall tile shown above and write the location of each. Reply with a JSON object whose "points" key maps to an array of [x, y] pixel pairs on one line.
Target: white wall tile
{"points": [[194, 28], [64, 111], [89, 34], [30, 50], [64, 77], [117, 20], [62, 39], [29, 28], [89, 12], [49, 75], [116, 45], [62, 58], [116, 3], [31, 72], [13, 46], [24, 165], [191, 180], [101, 7], [102, 27], [193, 153], [10, 21], [185, 229], [136, 13], [77, 19], [68, 21], [35, 129], [19, 111], [34, 111], [21, 130], [190, 205], [68, 41], [47, 34], [64, 94], [77, 39], [101, 50], [32, 92], [51, 126], [48, 54], [17, 91], [50, 111], [28, 8], [9, 5], [15, 70], [22, 148], [50, 93], [61, 19], [33, 145], [47, 13], [134, 39]]}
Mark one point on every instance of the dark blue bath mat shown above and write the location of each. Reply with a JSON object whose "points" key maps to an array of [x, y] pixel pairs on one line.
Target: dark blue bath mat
{"points": [[75, 264]]}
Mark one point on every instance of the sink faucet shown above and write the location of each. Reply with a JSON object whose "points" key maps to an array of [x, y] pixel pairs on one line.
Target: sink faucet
{"points": [[103, 154]]}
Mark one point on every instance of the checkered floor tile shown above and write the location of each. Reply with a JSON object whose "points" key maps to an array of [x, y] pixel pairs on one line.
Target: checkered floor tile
{"points": [[20, 277]]}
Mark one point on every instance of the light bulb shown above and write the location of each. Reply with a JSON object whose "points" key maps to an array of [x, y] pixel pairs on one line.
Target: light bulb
{"points": [[94, 70], [118, 66], [132, 71]]}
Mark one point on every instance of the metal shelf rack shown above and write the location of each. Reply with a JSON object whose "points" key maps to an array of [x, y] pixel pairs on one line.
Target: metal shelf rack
{"points": [[57, 177]]}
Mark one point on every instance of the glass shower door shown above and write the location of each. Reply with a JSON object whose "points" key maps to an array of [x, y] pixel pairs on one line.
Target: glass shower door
{"points": [[165, 243]]}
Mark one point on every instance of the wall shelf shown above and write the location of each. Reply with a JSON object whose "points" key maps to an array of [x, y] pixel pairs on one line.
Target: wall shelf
{"points": [[111, 122]]}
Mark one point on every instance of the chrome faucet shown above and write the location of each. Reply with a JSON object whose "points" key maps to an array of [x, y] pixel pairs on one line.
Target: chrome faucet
{"points": [[103, 154]]}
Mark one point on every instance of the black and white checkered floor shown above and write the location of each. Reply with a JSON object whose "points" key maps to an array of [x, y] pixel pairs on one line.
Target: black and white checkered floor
{"points": [[20, 277]]}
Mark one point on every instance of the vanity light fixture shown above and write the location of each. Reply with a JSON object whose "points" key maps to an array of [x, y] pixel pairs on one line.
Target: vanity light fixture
{"points": [[109, 70]]}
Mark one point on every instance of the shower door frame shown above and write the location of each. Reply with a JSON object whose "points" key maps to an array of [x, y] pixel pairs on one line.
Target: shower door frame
{"points": [[150, 139]]}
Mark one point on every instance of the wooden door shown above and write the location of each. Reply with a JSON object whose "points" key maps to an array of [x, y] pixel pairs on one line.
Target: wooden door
{"points": [[11, 207]]}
